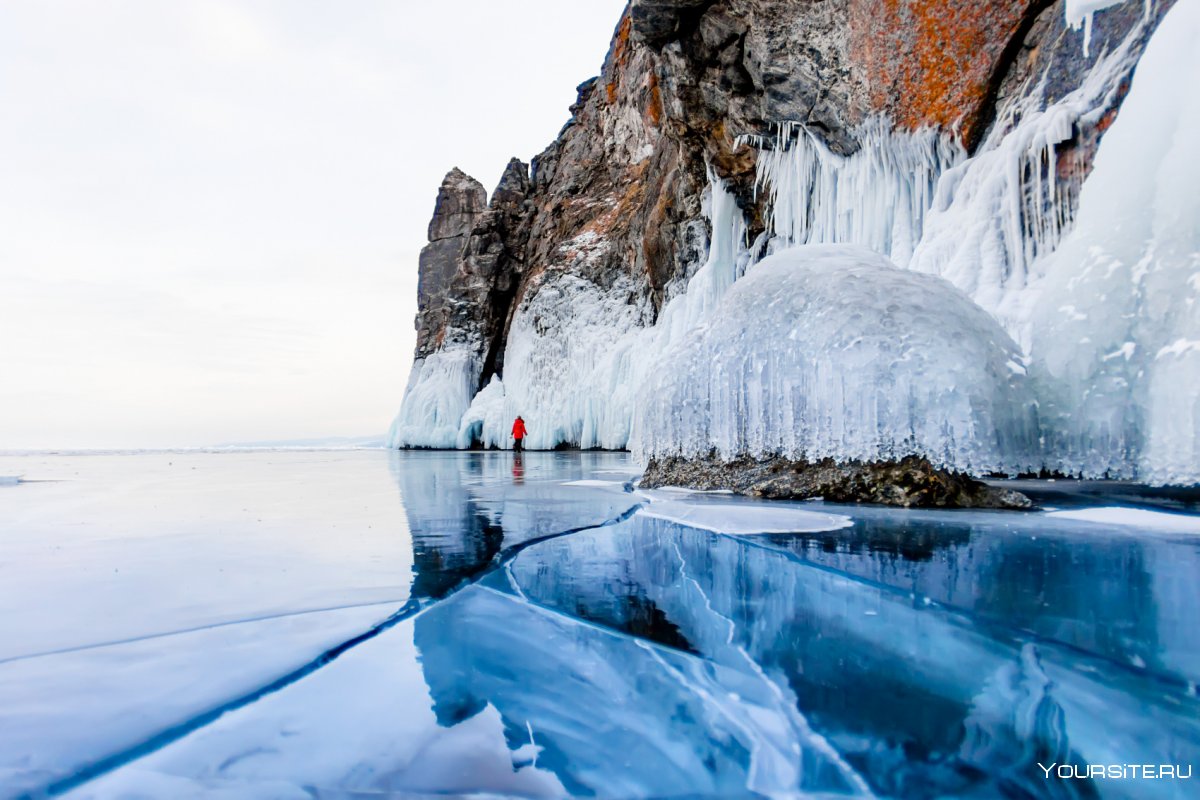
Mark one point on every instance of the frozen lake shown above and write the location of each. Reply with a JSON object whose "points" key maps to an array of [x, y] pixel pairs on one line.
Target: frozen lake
{"points": [[364, 623]]}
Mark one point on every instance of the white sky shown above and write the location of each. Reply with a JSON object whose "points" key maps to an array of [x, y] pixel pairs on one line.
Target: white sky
{"points": [[210, 210]]}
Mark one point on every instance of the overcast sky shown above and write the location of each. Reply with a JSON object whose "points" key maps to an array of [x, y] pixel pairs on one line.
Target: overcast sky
{"points": [[210, 210]]}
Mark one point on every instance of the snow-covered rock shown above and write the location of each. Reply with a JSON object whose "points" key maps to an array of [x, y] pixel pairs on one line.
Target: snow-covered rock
{"points": [[832, 351]]}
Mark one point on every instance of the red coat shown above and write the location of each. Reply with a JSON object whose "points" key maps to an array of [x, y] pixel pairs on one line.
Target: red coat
{"points": [[519, 429]]}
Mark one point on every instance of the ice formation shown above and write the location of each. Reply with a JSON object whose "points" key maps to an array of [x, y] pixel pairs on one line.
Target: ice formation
{"points": [[440, 390], [484, 422], [740, 519], [1140, 519], [1097, 287], [876, 197], [997, 214], [1116, 340], [832, 351], [1079, 14]]}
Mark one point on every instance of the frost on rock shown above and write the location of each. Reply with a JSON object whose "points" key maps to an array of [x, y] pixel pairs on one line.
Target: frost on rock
{"points": [[832, 351], [1116, 342], [440, 389]]}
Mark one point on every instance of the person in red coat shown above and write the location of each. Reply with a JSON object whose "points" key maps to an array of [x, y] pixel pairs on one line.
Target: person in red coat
{"points": [[519, 434]]}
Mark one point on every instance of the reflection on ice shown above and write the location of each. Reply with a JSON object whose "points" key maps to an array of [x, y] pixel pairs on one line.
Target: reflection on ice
{"points": [[463, 510]]}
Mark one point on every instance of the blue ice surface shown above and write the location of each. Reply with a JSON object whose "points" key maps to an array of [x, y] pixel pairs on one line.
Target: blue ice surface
{"points": [[550, 640]]}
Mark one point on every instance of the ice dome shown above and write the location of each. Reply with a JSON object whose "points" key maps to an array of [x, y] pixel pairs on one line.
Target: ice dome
{"points": [[832, 351]]}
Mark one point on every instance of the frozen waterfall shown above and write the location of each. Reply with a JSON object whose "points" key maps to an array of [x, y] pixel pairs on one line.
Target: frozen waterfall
{"points": [[440, 389]]}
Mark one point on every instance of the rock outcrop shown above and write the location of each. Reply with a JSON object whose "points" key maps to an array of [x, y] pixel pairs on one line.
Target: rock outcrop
{"points": [[470, 269], [911, 482]]}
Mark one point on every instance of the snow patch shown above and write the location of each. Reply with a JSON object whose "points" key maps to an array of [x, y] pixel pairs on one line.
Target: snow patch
{"points": [[1133, 517], [593, 483], [739, 519]]}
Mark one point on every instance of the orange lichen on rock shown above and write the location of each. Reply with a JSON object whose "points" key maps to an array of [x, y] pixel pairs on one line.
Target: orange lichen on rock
{"points": [[934, 62], [654, 106], [619, 58]]}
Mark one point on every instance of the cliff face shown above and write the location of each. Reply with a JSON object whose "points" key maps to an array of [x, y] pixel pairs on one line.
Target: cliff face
{"points": [[613, 219]]}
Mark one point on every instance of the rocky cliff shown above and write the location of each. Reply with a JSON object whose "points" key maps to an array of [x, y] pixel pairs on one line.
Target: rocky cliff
{"points": [[802, 113]]}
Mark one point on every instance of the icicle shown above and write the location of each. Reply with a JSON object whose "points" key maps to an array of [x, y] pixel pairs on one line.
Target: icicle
{"points": [[876, 197], [1079, 14]]}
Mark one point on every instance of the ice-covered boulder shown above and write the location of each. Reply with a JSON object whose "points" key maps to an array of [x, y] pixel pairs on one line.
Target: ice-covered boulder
{"points": [[832, 351]]}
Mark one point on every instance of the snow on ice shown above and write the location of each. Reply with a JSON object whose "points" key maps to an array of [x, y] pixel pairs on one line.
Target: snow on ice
{"points": [[741, 519], [1141, 518]]}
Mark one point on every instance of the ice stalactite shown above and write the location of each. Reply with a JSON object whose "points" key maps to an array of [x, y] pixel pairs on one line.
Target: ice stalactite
{"points": [[1116, 337], [1079, 14], [877, 197]]}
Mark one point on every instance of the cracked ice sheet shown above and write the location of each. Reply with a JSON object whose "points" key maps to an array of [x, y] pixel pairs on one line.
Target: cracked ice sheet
{"points": [[882, 678], [402, 713], [121, 547], [742, 519], [137, 590], [1142, 519], [63, 711], [364, 723]]}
